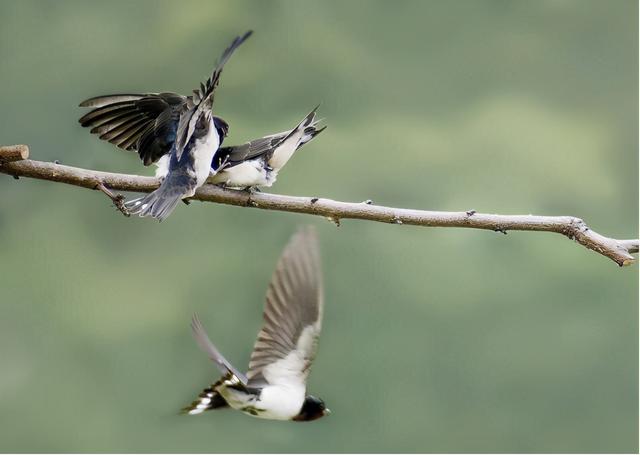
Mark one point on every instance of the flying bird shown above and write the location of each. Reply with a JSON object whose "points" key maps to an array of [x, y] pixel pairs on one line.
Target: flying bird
{"points": [[159, 124], [275, 385]]}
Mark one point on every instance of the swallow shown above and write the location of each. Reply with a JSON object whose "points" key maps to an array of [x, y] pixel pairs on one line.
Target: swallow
{"points": [[275, 385], [159, 124], [257, 163]]}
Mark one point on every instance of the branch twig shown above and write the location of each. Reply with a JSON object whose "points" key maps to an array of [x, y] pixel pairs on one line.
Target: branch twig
{"points": [[569, 226], [117, 199]]}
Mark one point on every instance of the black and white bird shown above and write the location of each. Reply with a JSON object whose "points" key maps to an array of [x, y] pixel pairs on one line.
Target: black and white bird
{"points": [[257, 163], [159, 124], [275, 385]]}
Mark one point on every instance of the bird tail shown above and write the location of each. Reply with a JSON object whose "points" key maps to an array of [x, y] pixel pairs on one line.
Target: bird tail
{"points": [[306, 130], [162, 201], [207, 400], [311, 131]]}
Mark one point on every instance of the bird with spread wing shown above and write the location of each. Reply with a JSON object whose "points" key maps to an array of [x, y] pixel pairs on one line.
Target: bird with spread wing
{"points": [[183, 128], [275, 385]]}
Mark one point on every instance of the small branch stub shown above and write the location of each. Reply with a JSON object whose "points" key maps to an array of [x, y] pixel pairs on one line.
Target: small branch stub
{"points": [[11, 153], [12, 163]]}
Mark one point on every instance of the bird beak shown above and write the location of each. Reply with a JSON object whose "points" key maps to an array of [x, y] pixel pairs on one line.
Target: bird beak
{"points": [[327, 411]]}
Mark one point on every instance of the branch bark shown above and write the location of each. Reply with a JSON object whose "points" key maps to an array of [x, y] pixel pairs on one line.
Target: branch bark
{"points": [[569, 226]]}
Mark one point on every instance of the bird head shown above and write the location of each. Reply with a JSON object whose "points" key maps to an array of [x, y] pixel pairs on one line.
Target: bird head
{"points": [[313, 408], [222, 127]]}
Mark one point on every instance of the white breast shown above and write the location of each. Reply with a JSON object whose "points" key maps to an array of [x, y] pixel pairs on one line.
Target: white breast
{"points": [[203, 151]]}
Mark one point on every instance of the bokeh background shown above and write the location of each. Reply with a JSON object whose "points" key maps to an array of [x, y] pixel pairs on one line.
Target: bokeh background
{"points": [[434, 339]]}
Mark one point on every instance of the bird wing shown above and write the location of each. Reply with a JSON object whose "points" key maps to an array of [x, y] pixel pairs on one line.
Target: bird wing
{"points": [[208, 347], [287, 343], [145, 123], [267, 145], [236, 154], [202, 99]]}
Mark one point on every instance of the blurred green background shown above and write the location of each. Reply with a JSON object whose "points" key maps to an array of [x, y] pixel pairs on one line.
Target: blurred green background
{"points": [[434, 339]]}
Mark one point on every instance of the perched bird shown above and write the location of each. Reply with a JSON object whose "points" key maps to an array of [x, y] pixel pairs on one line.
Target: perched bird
{"points": [[275, 386], [257, 163], [159, 124], [252, 164]]}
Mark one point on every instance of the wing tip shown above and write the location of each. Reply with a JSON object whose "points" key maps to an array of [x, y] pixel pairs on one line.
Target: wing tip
{"points": [[305, 246], [104, 100], [196, 325]]}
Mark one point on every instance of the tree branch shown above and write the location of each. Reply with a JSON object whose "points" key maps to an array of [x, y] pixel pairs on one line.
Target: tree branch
{"points": [[569, 226]]}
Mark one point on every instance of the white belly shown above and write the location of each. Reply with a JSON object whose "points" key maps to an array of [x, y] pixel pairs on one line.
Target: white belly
{"points": [[275, 403], [246, 174]]}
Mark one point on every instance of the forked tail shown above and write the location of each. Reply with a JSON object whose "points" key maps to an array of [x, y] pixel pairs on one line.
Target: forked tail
{"points": [[207, 400]]}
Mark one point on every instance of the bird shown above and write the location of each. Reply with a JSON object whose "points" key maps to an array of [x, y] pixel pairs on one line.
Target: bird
{"points": [[256, 163], [275, 385], [160, 124]]}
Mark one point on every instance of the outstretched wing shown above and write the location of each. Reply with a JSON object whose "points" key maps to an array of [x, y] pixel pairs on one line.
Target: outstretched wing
{"points": [[268, 146], [207, 346], [145, 123], [202, 99], [287, 342]]}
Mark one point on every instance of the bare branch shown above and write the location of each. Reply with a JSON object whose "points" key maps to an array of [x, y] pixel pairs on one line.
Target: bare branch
{"points": [[569, 226]]}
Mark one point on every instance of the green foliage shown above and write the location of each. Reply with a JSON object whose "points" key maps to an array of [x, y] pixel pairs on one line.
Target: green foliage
{"points": [[435, 340]]}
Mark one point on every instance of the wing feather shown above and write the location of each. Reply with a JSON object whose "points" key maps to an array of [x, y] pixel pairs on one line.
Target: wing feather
{"points": [[202, 99], [125, 120], [209, 348], [286, 344]]}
